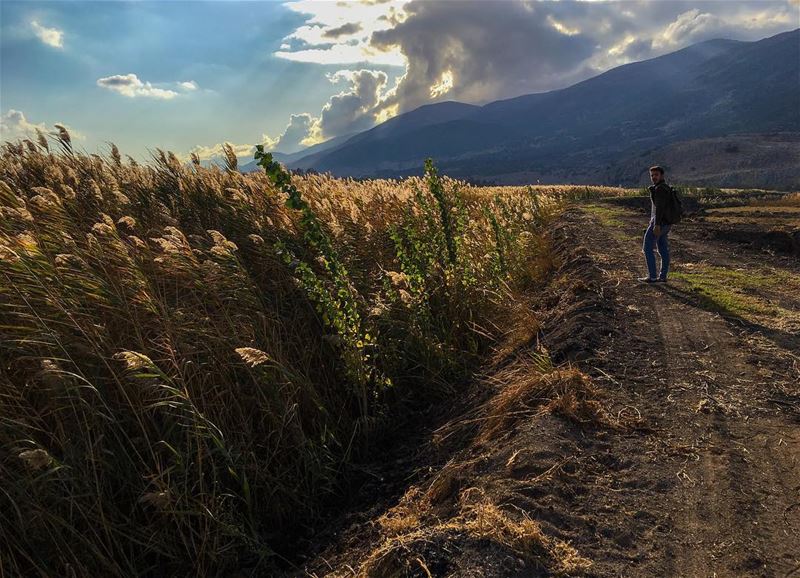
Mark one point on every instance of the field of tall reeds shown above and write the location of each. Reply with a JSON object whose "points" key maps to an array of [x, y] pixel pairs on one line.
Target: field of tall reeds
{"points": [[190, 356]]}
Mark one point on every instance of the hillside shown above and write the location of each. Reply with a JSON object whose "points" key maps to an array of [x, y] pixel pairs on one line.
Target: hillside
{"points": [[708, 90], [768, 161]]}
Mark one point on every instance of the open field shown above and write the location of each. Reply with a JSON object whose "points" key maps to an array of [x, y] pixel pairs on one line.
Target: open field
{"points": [[205, 372]]}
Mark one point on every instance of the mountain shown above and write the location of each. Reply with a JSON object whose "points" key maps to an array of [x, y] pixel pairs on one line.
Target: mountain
{"points": [[424, 116], [289, 158], [708, 90], [417, 119]]}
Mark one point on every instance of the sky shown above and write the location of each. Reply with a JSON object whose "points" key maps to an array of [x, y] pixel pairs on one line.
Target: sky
{"points": [[187, 76]]}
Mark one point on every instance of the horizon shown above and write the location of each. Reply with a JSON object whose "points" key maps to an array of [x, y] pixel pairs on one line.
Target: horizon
{"points": [[293, 74]]}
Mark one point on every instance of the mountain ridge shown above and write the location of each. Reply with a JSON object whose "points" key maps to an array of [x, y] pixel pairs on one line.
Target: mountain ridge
{"points": [[709, 89]]}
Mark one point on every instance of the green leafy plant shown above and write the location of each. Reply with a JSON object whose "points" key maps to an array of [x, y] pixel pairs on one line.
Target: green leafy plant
{"points": [[336, 301]]}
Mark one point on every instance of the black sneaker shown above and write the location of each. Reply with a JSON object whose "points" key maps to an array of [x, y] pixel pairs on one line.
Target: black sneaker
{"points": [[660, 280], [646, 280]]}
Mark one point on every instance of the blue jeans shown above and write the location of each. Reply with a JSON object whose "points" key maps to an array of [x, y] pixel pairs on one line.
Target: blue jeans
{"points": [[650, 240]]}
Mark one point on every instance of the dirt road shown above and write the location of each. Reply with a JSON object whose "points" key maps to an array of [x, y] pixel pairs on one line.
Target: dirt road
{"points": [[682, 459], [714, 488]]}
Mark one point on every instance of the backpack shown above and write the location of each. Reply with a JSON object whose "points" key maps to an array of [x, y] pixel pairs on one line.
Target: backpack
{"points": [[675, 207]]}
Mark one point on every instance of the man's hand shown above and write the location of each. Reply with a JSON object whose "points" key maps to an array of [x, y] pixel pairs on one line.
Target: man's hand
{"points": [[657, 230]]}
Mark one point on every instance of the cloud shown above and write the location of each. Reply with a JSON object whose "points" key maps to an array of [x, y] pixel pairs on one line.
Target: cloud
{"points": [[129, 85], [300, 132], [444, 85], [348, 111], [309, 36], [50, 36], [14, 126], [205, 153], [649, 30], [339, 32], [744, 21], [344, 30], [357, 108], [189, 85], [480, 51], [565, 30], [476, 51], [344, 54], [688, 26]]}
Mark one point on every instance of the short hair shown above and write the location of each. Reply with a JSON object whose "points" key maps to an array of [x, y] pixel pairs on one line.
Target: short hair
{"points": [[658, 169]]}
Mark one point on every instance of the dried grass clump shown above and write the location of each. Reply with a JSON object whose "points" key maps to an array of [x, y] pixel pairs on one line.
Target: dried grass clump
{"points": [[405, 516], [531, 387], [445, 488], [575, 398], [480, 524], [523, 330]]}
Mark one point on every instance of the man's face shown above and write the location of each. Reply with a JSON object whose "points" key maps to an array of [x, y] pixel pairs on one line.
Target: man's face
{"points": [[655, 176]]}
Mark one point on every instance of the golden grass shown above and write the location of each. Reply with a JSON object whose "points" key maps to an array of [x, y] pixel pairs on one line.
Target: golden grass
{"points": [[477, 520], [569, 192], [564, 391], [177, 357], [175, 392], [788, 200]]}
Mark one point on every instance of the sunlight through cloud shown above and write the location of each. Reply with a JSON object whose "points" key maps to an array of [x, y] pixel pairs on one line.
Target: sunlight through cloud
{"points": [[444, 85], [339, 33]]}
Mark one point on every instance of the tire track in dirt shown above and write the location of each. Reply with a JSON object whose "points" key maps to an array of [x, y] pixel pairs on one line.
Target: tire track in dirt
{"points": [[740, 475]]}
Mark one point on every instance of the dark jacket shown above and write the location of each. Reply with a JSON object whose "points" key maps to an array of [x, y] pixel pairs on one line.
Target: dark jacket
{"points": [[660, 197]]}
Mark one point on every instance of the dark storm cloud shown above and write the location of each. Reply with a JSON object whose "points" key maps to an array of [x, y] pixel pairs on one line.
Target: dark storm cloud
{"points": [[343, 30], [503, 49], [490, 49]]}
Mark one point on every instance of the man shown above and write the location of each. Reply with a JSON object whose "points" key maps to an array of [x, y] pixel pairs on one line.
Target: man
{"points": [[658, 229]]}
